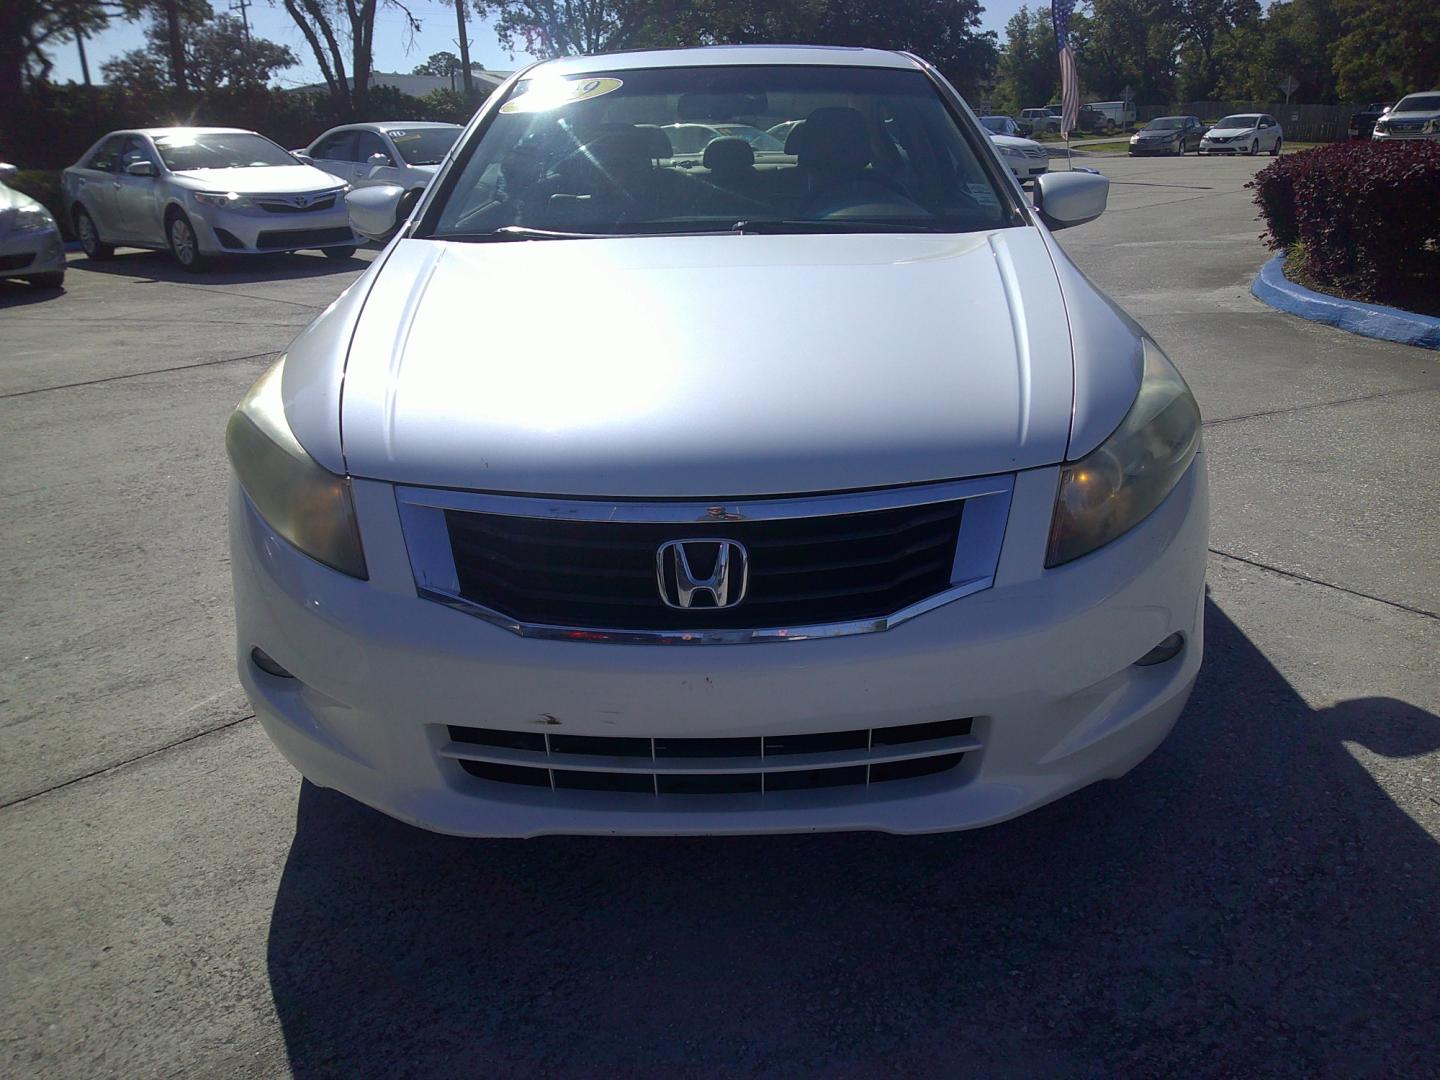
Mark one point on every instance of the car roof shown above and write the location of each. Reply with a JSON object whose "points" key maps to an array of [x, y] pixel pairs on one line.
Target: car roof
{"points": [[155, 132], [726, 56], [387, 125]]}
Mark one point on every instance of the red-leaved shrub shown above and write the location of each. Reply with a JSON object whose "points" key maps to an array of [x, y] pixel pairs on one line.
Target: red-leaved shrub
{"points": [[1368, 214]]}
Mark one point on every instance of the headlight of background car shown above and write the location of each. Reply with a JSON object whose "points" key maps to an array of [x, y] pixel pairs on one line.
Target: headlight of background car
{"points": [[33, 217], [1117, 485], [306, 504], [1012, 151]]}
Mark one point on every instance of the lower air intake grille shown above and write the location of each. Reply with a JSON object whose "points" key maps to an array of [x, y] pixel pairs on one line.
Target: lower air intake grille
{"points": [[280, 239], [754, 765]]}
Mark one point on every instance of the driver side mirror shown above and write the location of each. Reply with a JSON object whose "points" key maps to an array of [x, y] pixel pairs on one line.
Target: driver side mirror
{"points": [[379, 161], [373, 210], [140, 168], [1066, 199], [7, 170]]}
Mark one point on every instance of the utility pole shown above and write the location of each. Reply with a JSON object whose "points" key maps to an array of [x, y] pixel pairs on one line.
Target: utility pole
{"points": [[464, 44], [243, 6]]}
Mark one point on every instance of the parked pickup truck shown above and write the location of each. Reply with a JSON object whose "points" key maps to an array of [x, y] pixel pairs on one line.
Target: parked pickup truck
{"points": [[1362, 123]]}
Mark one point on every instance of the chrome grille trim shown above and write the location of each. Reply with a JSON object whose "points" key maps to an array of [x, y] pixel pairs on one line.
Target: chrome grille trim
{"points": [[982, 529]]}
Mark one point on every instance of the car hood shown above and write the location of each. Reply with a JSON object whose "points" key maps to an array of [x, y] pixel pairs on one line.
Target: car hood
{"points": [[1417, 114], [10, 199], [1226, 133], [1011, 140], [260, 180], [707, 366]]}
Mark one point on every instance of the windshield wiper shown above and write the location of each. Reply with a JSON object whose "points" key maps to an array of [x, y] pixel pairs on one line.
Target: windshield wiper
{"points": [[828, 225], [520, 232]]}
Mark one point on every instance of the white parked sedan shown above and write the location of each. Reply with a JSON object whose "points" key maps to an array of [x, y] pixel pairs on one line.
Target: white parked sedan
{"points": [[406, 153], [30, 244], [1026, 158], [1244, 133], [203, 192], [620, 497]]}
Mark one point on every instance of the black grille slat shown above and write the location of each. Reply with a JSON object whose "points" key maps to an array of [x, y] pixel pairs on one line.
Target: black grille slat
{"points": [[299, 238], [802, 571]]}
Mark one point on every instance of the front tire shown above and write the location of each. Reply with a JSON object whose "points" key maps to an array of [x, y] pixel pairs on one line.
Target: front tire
{"points": [[1255, 148], [90, 241], [340, 252], [1276, 151], [184, 245]]}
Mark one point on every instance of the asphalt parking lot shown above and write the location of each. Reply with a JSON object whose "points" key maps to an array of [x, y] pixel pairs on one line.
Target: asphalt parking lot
{"points": [[1257, 899]]}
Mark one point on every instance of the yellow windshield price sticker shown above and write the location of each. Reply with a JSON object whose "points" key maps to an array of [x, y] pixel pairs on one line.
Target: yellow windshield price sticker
{"points": [[552, 93]]}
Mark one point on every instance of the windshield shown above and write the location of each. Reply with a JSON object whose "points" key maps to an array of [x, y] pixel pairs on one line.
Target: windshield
{"points": [[997, 124], [424, 146], [1238, 122], [676, 150], [1166, 123], [219, 150], [1419, 103]]}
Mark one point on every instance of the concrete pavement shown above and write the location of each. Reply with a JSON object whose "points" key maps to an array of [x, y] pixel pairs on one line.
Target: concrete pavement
{"points": [[1257, 899]]}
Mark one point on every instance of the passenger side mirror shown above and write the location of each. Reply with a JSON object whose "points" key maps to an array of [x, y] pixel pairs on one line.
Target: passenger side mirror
{"points": [[1067, 199], [302, 156], [7, 170], [140, 168], [379, 161], [373, 210]]}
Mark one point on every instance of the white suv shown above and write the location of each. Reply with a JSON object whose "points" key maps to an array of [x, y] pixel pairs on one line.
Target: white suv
{"points": [[1415, 116]]}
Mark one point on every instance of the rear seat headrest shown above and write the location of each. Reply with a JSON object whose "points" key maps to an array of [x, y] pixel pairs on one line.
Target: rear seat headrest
{"points": [[728, 154]]}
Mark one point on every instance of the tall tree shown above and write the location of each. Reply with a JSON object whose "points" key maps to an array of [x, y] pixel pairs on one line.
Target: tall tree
{"points": [[325, 24], [1204, 27], [550, 28], [29, 29], [1029, 69], [218, 53], [442, 63], [1388, 48]]}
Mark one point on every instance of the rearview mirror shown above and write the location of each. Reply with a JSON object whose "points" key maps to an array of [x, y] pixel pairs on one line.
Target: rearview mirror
{"points": [[1067, 199], [140, 168], [373, 210]]}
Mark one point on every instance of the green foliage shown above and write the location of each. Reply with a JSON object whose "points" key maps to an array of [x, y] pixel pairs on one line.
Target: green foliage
{"points": [[218, 53], [1368, 215], [1029, 71], [1389, 48], [440, 63]]}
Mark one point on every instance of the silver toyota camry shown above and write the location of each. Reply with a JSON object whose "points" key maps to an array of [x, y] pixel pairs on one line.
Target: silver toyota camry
{"points": [[201, 193]]}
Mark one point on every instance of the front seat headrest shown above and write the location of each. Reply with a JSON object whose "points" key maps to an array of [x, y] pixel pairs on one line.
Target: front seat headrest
{"points": [[657, 142], [833, 139], [728, 154]]}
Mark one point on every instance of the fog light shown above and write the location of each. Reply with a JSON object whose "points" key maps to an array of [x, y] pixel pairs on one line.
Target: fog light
{"points": [[1166, 650], [266, 663]]}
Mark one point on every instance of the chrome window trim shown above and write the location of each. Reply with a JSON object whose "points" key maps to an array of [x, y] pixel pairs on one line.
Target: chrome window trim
{"points": [[977, 549]]}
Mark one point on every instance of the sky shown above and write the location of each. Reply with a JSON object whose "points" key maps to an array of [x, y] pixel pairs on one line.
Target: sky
{"points": [[392, 51]]}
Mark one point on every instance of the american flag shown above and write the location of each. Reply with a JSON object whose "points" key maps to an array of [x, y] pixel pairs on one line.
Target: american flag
{"points": [[1069, 80]]}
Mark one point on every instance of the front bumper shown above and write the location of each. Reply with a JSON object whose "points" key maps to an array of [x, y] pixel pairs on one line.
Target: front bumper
{"points": [[1225, 148], [1043, 660], [223, 231], [1403, 136], [33, 251], [1028, 169], [1141, 149]]}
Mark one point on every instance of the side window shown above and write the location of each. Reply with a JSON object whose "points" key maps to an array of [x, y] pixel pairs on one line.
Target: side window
{"points": [[370, 143], [337, 147], [106, 157], [133, 150]]}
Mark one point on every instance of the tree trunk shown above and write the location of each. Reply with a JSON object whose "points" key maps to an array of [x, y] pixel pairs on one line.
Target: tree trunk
{"points": [[464, 42], [176, 45]]}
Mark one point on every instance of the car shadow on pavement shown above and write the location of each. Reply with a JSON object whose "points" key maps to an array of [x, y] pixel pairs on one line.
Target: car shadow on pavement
{"points": [[149, 266], [15, 293], [1248, 902]]}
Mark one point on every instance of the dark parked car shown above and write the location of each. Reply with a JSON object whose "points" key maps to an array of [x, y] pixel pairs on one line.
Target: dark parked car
{"points": [[1168, 135], [1362, 123]]}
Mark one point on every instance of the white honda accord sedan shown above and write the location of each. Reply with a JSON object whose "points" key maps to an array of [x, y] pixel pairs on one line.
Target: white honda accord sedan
{"points": [[624, 496]]}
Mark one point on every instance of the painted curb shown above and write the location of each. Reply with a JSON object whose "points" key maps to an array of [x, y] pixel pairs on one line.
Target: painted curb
{"points": [[1272, 287]]}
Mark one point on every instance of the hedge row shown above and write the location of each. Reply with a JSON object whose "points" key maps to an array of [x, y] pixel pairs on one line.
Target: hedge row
{"points": [[53, 125], [1365, 214]]}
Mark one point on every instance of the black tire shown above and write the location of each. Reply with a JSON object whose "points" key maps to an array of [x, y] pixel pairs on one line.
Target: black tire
{"points": [[184, 245], [340, 252], [1255, 148], [55, 280], [89, 235], [1278, 144]]}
